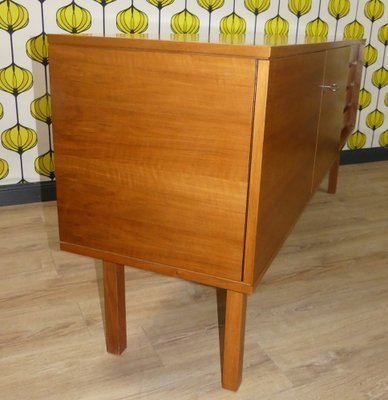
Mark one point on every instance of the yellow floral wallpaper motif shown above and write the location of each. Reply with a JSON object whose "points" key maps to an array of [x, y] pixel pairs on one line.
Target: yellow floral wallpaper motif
{"points": [[15, 80], [26, 151], [132, 20], [73, 18], [185, 22]]}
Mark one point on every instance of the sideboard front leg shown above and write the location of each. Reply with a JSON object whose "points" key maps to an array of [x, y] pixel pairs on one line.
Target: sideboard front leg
{"points": [[234, 339], [114, 297], [333, 176]]}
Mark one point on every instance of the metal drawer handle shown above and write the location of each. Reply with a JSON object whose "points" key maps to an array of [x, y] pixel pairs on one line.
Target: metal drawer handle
{"points": [[333, 87]]}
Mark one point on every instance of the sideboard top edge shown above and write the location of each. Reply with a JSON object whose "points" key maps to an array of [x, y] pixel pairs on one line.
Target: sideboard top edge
{"points": [[264, 50]]}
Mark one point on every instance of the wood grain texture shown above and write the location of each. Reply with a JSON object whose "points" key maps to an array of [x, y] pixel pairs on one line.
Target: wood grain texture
{"points": [[288, 152], [351, 107], [183, 180], [160, 268], [331, 119], [114, 305], [233, 356], [316, 326], [165, 164], [261, 50], [258, 129]]}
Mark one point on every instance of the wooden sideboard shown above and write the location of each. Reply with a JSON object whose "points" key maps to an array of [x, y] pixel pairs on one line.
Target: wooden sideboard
{"points": [[194, 159]]}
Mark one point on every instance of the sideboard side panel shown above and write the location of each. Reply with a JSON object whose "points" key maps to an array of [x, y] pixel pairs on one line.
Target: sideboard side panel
{"points": [[153, 154], [288, 152]]}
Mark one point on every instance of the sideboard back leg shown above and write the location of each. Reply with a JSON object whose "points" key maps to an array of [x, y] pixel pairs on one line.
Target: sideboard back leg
{"points": [[333, 176], [114, 298], [234, 339]]}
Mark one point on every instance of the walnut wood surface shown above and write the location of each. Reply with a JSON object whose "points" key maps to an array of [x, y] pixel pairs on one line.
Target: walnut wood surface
{"points": [[331, 119], [199, 277], [234, 339], [268, 47], [114, 306], [153, 154], [350, 110], [288, 152], [186, 188], [258, 129]]}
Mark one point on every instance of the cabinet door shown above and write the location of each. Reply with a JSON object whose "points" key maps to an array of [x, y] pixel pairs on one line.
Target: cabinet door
{"points": [[331, 119], [291, 125]]}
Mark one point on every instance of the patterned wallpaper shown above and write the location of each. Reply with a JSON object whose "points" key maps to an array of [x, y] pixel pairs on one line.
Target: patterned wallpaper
{"points": [[26, 151]]}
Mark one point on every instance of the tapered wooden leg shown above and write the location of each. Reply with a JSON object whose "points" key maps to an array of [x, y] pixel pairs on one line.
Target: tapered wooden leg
{"points": [[333, 176], [115, 319], [234, 339]]}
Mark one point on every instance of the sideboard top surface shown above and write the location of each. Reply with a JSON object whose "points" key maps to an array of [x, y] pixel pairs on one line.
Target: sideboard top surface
{"points": [[265, 47]]}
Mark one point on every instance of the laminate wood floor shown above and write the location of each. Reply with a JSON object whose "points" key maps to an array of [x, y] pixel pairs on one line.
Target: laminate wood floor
{"points": [[317, 326]]}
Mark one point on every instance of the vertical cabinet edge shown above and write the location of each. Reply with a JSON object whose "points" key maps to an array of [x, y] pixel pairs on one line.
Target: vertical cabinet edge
{"points": [[258, 129]]}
